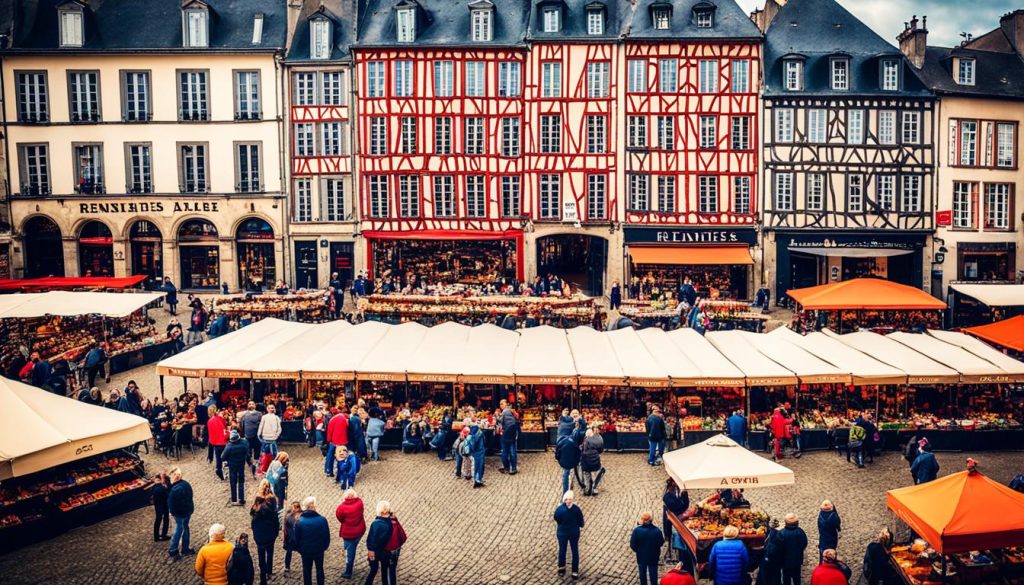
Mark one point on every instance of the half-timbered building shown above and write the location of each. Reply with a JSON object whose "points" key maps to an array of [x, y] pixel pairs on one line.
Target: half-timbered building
{"points": [[848, 151]]}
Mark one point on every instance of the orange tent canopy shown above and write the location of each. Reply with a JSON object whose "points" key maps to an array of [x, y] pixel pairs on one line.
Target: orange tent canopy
{"points": [[865, 293], [962, 512], [1007, 333]]}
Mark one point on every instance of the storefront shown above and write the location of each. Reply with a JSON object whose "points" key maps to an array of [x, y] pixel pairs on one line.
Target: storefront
{"points": [[343, 261], [467, 257], [145, 243], [44, 250], [256, 268], [95, 250], [5, 260], [718, 261], [306, 273], [199, 250], [579, 259], [985, 262]]}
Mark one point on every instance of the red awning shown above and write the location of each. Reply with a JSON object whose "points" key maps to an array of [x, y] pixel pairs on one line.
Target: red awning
{"points": [[68, 283], [1007, 333]]}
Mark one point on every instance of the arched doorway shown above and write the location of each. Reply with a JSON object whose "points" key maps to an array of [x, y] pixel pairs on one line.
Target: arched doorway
{"points": [[199, 250], [44, 250], [576, 258], [145, 241], [256, 269], [95, 250]]}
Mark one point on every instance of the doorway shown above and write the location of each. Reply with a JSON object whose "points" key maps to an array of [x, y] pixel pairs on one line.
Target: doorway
{"points": [[147, 252], [576, 258], [44, 248], [343, 256], [306, 275]]}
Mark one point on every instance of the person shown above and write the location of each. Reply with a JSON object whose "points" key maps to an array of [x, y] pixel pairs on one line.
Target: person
{"points": [[871, 432], [376, 543], [412, 436], [41, 371], [676, 502], [240, 571], [925, 467], [94, 364], [477, 450], [170, 295], [290, 518], [566, 422], [829, 525], [217, 439], [277, 475], [769, 570], [1017, 483], [912, 450], [590, 460], [181, 507], [645, 542], [569, 521], [855, 445], [877, 569], [729, 558], [794, 541], [460, 439], [356, 440], [337, 435], [162, 518], [218, 326], [779, 426], [831, 571], [509, 423], [236, 456], [312, 538], [374, 431], [265, 528], [442, 438], [353, 527], [212, 560], [568, 456], [677, 575], [655, 427], [250, 421], [615, 296], [394, 547], [347, 467], [131, 402], [736, 427], [269, 430]]}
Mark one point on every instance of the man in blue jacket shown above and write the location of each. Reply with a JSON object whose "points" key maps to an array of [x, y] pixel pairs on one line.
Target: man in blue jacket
{"points": [[646, 542], [567, 453], [509, 437], [477, 450], [794, 541], [655, 426], [180, 505], [925, 468], [569, 519], [377, 539], [312, 538], [736, 427], [236, 456]]}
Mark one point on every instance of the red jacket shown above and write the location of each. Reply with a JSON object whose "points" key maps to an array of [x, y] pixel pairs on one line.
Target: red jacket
{"points": [[779, 426], [828, 574], [350, 514], [677, 577], [217, 430], [337, 429]]}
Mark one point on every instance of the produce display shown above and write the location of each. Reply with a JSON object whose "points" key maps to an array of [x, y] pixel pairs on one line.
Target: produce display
{"points": [[471, 310], [70, 337], [303, 306], [711, 518], [877, 321]]}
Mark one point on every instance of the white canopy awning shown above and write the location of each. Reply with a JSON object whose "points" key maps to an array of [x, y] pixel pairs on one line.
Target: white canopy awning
{"points": [[197, 361], [919, 368], [596, 362], [993, 295], [1014, 368], [973, 369], [68, 304], [866, 370], [285, 360], [759, 369], [490, 355], [640, 367], [390, 357], [339, 357], [40, 430], [809, 368], [676, 364], [720, 462], [543, 356], [441, 354], [715, 368]]}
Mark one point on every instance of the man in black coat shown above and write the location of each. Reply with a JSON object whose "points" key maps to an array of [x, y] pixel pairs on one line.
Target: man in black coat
{"points": [[794, 541], [377, 541], [567, 453], [181, 507], [646, 542], [655, 426], [236, 456]]}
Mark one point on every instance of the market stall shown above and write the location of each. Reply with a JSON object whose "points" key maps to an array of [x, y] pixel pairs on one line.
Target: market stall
{"points": [[55, 283], [1013, 367], [980, 304], [730, 315], [474, 310], [303, 306], [1008, 333], [868, 303]]}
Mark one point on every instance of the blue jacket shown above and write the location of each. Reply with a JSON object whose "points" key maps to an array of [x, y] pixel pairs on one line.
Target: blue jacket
{"points": [[355, 432], [347, 469], [829, 525], [655, 426], [219, 326], [794, 541], [41, 372], [646, 542], [565, 425], [375, 428], [569, 521], [567, 453], [728, 561], [478, 442], [95, 357], [737, 428], [171, 293], [179, 499], [379, 534], [925, 468], [236, 455], [312, 534]]}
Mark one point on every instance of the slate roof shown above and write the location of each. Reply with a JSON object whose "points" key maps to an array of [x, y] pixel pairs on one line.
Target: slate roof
{"points": [[442, 23], [143, 25], [730, 22], [820, 29], [574, 20], [341, 13], [999, 75]]}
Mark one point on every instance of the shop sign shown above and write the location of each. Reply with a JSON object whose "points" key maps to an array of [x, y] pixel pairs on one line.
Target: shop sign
{"points": [[994, 379], [944, 218], [867, 242], [570, 214], [115, 207], [740, 481], [690, 236], [718, 383]]}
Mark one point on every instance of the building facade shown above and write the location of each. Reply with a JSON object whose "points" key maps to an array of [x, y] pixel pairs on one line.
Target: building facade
{"points": [[145, 140]]}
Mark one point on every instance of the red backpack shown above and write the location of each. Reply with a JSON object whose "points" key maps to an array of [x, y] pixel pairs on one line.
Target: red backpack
{"points": [[397, 538]]}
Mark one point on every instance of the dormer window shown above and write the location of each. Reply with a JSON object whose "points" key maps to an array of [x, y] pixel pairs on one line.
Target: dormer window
{"points": [[196, 25], [257, 29], [965, 71], [552, 19], [890, 74], [840, 74], [793, 74], [406, 25], [595, 20], [662, 16], [482, 20], [320, 37], [71, 22], [704, 15]]}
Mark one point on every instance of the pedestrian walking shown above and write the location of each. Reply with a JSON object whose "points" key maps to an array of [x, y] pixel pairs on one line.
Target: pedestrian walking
{"points": [[240, 569], [590, 460], [794, 541], [162, 516], [346, 467], [170, 295], [779, 425], [655, 427], [855, 444], [615, 296], [569, 521], [290, 518], [312, 538], [356, 437], [265, 528], [477, 447], [645, 542], [678, 575], [829, 526], [831, 571], [925, 467], [376, 544], [269, 430], [443, 438], [729, 559], [568, 456], [249, 421], [277, 475], [394, 547], [509, 424], [877, 569], [675, 502], [94, 364], [236, 456], [736, 426], [337, 435], [353, 527], [217, 437], [212, 560], [181, 507], [912, 450], [374, 431]]}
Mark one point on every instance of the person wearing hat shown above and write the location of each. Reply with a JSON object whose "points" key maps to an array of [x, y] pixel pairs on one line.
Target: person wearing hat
{"points": [[655, 427], [236, 456], [569, 519], [829, 525], [831, 571], [646, 541], [794, 542], [729, 558], [925, 467]]}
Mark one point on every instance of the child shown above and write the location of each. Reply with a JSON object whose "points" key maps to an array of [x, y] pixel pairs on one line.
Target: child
{"points": [[347, 467], [290, 544], [240, 569]]}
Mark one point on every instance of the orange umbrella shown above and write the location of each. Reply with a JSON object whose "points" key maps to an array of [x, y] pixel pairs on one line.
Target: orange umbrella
{"points": [[1007, 333], [865, 293], [962, 512]]}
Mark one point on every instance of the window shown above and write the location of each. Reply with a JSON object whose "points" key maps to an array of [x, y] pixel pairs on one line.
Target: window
{"points": [[740, 76], [247, 168], [331, 90], [793, 75], [886, 127], [551, 79], [443, 78], [476, 196], [378, 135], [910, 194], [482, 29], [406, 21], [668, 75], [247, 95], [552, 20], [639, 192], [595, 22], [408, 137], [443, 135], [474, 135], [637, 76], [597, 134], [707, 194], [409, 195], [740, 137], [964, 195], [33, 99], [662, 17], [332, 139], [968, 143], [88, 168], [135, 96], [704, 18], [510, 198], [784, 125], [303, 200], [379, 200], [197, 28], [840, 74], [597, 79], [71, 28], [193, 168], [257, 29], [855, 194], [34, 165], [475, 79], [510, 136], [550, 196], [403, 79], [597, 196], [816, 127], [997, 206], [139, 171], [741, 194], [320, 40], [911, 127], [784, 192], [84, 94], [509, 79], [965, 72], [375, 79], [304, 141], [1006, 138], [708, 74], [637, 131], [666, 133], [708, 132], [666, 194], [885, 192], [815, 192], [304, 89], [890, 75], [855, 127], [193, 98], [550, 133], [334, 191]]}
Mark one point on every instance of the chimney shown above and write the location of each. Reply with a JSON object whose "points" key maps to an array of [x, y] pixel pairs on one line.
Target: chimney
{"points": [[764, 16], [914, 40], [1012, 24], [294, 9]]}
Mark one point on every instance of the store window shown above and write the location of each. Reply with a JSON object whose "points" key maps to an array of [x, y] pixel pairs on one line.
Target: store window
{"points": [[146, 251], [256, 269], [199, 246], [44, 250], [95, 250]]}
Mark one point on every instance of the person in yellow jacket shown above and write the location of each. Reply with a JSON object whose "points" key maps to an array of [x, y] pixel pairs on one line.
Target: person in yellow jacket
{"points": [[212, 560]]}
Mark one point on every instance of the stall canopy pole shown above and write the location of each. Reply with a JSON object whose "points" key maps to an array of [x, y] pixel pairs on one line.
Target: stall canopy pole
{"points": [[746, 393], [184, 383], [161, 386]]}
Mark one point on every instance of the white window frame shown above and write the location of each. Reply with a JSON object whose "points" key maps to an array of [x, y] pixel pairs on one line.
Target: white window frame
{"points": [[444, 78], [636, 131], [911, 127], [708, 132], [483, 29], [637, 76], [511, 196], [783, 191], [551, 133], [194, 159], [964, 193], [193, 92], [708, 76], [997, 206], [509, 79], [332, 88], [855, 193], [33, 96], [332, 138], [965, 71], [597, 79], [378, 136], [320, 39], [885, 193], [739, 76], [408, 134], [195, 23], [704, 19], [855, 127], [817, 126], [793, 74], [639, 192], [968, 143], [305, 140], [887, 127], [84, 96], [552, 19], [666, 132], [910, 194], [741, 195], [815, 194], [404, 78], [304, 88], [511, 131], [136, 95], [597, 134], [476, 78], [303, 200], [595, 22], [476, 196], [335, 199], [380, 200], [34, 169], [890, 75], [597, 196], [409, 196], [247, 95], [840, 67], [248, 168], [474, 142], [376, 77], [551, 79], [1006, 145], [739, 137], [444, 196], [443, 135], [668, 75], [667, 193], [707, 194], [72, 33], [662, 18], [139, 167], [550, 195], [405, 25], [784, 125]]}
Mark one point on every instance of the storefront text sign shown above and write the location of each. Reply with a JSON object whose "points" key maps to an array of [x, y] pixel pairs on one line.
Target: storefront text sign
{"points": [[690, 236], [115, 207], [740, 481], [570, 213], [850, 243]]}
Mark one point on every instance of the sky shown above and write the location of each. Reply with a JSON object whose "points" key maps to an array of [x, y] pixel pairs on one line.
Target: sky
{"points": [[946, 18]]}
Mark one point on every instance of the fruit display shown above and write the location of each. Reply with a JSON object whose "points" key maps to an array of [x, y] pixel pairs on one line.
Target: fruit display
{"points": [[70, 337], [15, 492], [711, 519], [306, 307], [914, 561], [653, 309], [532, 421], [471, 310]]}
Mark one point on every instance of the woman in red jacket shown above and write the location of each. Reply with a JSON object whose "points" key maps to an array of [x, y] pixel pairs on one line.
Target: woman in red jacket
{"points": [[831, 571], [353, 526], [677, 576], [217, 433]]}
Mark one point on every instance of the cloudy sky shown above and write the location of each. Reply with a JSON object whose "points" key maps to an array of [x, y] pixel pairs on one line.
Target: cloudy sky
{"points": [[946, 18]]}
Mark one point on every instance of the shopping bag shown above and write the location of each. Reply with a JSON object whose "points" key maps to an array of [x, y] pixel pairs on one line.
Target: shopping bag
{"points": [[265, 460]]}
